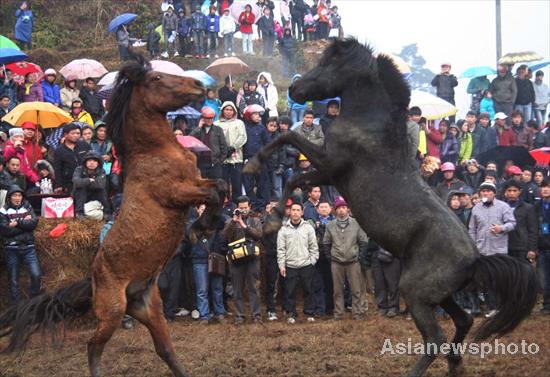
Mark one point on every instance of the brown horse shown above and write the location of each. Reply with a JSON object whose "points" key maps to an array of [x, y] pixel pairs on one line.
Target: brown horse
{"points": [[161, 183]]}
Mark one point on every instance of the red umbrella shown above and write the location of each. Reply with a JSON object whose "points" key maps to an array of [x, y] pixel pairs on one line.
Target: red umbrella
{"points": [[541, 156], [192, 143], [20, 69]]}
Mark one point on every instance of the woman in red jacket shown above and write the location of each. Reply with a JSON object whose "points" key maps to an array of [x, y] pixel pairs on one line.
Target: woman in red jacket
{"points": [[246, 20]]}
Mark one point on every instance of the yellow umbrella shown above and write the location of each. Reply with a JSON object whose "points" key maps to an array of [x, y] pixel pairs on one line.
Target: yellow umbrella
{"points": [[44, 114]]}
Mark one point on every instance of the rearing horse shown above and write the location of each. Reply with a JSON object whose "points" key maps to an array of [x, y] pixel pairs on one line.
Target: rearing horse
{"points": [[367, 157], [161, 183]]}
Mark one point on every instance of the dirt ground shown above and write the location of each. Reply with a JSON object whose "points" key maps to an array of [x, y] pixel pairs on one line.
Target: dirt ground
{"points": [[325, 348]]}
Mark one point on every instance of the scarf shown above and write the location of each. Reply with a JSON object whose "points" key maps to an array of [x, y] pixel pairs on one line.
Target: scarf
{"points": [[28, 88], [342, 224]]}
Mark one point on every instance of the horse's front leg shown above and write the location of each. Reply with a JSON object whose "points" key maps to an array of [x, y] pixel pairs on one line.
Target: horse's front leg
{"points": [[211, 215], [314, 153]]}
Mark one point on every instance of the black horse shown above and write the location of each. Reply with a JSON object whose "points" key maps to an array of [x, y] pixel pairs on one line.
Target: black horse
{"points": [[367, 157]]}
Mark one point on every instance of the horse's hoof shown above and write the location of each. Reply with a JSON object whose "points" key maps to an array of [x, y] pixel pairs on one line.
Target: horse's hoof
{"points": [[252, 166]]}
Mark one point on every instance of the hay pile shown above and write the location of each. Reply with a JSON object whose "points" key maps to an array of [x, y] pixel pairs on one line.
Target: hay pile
{"points": [[64, 260]]}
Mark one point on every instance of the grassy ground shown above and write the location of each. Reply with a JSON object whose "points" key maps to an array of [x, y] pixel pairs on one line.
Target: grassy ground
{"points": [[326, 348]]}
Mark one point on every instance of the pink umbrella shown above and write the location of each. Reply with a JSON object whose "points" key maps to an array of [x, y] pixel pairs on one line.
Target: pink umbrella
{"points": [[238, 7], [83, 68], [167, 67], [192, 143]]}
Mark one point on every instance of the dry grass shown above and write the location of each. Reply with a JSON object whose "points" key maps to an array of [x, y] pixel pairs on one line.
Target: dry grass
{"points": [[326, 348]]}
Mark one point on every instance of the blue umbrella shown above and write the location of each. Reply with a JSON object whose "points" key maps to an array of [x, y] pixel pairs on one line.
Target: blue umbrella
{"points": [[11, 55], [472, 72], [123, 19], [537, 66], [202, 76], [186, 111]]}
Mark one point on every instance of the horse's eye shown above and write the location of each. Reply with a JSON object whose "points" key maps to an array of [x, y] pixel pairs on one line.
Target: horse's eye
{"points": [[156, 78]]}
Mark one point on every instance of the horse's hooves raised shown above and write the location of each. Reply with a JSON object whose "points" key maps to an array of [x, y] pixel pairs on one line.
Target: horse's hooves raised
{"points": [[252, 166], [272, 226]]}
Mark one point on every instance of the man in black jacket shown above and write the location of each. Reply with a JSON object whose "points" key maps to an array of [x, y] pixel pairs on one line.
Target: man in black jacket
{"points": [[525, 94], [90, 183], [542, 207], [90, 102], [68, 156], [17, 225], [210, 163], [298, 11], [227, 92], [445, 83], [522, 241]]}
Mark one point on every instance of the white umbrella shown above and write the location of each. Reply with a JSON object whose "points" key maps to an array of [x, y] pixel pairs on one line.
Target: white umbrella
{"points": [[432, 107], [83, 68], [165, 66], [108, 79]]}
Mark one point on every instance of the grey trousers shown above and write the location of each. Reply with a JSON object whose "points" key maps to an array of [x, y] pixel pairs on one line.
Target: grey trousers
{"points": [[246, 274], [355, 279], [386, 283]]}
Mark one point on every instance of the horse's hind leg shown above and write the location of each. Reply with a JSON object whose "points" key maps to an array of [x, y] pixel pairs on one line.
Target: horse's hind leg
{"points": [[109, 308], [147, 309], [463, 322]]}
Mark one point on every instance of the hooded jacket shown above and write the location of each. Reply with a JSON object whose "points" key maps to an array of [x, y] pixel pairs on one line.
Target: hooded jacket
{"points": [[504, 89], [526, 92], [234, 131], [82, 179], [291, 104], [213, 23], [50, 92], [27, 164], [23, 25], [227, 25], [269, 93], [256, 138], [67, 95], [23, 233], [287, 44], [169, 22]]}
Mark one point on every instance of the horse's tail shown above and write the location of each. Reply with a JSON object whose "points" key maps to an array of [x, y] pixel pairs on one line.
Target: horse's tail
{"points": [[47, 312], [515, 284]]}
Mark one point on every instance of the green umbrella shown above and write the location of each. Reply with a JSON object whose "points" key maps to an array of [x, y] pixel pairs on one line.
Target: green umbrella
{"points": [[7, 43]]}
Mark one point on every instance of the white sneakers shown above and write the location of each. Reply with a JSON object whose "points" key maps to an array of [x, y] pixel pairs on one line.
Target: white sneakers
{"points": [[311, 319], [164, 54], [271, 316], [291, 320], [176, 54], [182, 312]]}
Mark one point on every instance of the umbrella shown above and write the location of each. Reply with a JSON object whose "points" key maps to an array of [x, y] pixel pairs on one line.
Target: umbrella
{"points": [[227, 66], [186, 111], [106, 92], [21, 69], [238, 7], [472, 72], [192, 143], [43, 113], [122, 19], [10, 55], [83, 68], [108, 79], [8, 43], [202, 76], [541, 156], [518, 57], [432, 107], [167, 67], [55, 137], [501, 154], [537, 66]]}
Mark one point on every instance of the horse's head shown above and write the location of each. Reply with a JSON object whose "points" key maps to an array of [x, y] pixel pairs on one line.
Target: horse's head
{"points": [[343, 62], [162, 92]]}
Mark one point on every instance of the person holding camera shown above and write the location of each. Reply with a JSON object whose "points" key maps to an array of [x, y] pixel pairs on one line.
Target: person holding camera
{"points": [[17, 225], [245, 272]]}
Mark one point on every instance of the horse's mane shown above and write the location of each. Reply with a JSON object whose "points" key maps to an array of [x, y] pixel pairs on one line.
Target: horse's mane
{"points": [[131, 74], [358, 57]]}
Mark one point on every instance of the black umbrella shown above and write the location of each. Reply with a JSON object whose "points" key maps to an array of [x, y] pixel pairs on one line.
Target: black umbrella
{"points": [[519, 155]]}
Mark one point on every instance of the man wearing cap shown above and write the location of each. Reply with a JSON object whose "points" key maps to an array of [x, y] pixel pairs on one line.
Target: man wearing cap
{"points": [[50, 90], [505, 135], [79, 114], [210, 162], [466, 206], [450, 182], [68, 156], [522, 241], [491, 222], [90, 102], [504, 90], [445, 83], [345, 237]]}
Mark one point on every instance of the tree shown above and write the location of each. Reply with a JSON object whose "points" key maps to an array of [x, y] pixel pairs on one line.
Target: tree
{"points": [[421, 76]]}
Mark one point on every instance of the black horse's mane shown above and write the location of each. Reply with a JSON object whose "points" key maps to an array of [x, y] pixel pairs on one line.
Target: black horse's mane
{"points": [[360, 62], [131, 74]]}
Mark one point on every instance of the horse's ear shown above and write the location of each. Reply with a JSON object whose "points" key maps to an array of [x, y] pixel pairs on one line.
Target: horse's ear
{"points": [[140, 59], [134, 70]]}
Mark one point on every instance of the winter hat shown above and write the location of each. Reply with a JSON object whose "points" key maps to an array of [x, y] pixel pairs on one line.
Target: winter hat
{"points": [[207, 112], [339, 202], [488, 186], [448, 166], [513, 170], [16, 132], [50, 71]]}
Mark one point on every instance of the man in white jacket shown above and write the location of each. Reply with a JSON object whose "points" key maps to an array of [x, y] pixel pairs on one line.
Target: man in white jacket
{"points": [[269, 93], [227, 29], [297, 253]]}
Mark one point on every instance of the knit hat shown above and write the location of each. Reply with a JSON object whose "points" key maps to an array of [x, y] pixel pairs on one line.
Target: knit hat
{"points": [[448, 166], [488, 186], [16, 132], [339, 202]]}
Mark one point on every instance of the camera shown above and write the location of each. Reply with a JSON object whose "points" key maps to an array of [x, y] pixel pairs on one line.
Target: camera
{"points": [[237, 212]]}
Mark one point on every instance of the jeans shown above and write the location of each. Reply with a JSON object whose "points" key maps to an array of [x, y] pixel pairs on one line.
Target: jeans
{"points": [[525, 110], [212, 42], [287, 66], [14, 257], [504, 107], [267, 43], [246, 274], [260, 196], [232, 174], [198, 40], [386, 283], [124, 53], [287, 174], [276, 184], [210, 171], [305, 276], [297, 115], [544, 260], [298, 28], [248, 46], [167, 35], [205, 283], [228, 43], [540, 116]]}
